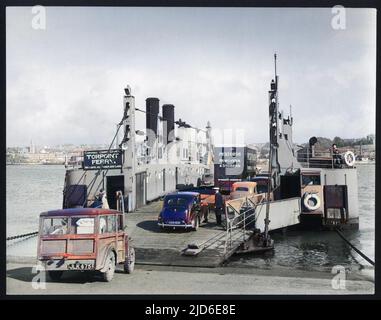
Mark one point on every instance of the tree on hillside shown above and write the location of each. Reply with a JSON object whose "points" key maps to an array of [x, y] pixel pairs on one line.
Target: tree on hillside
{"points": [[338, 141], [323, 143]]}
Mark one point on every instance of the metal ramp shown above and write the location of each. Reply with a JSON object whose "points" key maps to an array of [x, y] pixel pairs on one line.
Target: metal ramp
{"points": [[240, 219], [211, 245]]}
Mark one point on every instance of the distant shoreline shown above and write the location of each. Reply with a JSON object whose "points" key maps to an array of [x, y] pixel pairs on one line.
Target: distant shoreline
{"points": [[35, 164]]}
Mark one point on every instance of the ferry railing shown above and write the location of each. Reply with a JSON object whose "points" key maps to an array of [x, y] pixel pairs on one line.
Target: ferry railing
{"points": [[236, 228], [318, 159], [322, 159]]}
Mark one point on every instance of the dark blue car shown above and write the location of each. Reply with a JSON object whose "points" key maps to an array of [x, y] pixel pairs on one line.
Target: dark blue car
{"points": [[181, 210]]}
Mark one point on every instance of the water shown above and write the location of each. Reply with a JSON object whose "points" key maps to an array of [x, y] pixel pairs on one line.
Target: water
{"points": [[32, 189]]}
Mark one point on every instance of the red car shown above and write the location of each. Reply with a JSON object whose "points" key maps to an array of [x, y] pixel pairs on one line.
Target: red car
{"points": [[85, 239]]}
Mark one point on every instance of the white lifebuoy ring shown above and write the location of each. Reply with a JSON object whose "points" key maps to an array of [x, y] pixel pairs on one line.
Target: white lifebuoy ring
{"points": [[349, 158], [314, 197]]}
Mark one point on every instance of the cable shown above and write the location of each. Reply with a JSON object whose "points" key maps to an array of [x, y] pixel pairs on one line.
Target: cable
{"points": [[354, 248], [162, 118], [22, 235]]}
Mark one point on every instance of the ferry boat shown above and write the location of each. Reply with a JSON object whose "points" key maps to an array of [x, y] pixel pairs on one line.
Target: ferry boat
{"points": [[169, 155], [174, 155], [327, 189]]}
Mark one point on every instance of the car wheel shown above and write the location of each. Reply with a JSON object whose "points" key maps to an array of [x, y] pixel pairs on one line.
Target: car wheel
{"points": [[55, 275], [110, 267], [195, 223], [129, 263]]}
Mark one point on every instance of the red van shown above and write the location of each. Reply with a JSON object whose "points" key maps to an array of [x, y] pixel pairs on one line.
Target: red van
{"points": [[85, 239]]}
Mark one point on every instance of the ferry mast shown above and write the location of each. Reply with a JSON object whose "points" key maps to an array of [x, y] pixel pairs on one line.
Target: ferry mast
{"points": [[274, 167]]}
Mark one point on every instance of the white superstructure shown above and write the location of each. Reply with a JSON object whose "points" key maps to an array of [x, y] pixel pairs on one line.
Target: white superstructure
{"points": [[172, 154]]}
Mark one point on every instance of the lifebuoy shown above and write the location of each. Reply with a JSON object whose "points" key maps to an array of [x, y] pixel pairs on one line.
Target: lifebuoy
{"points": [[314, 197], [349, 158]]}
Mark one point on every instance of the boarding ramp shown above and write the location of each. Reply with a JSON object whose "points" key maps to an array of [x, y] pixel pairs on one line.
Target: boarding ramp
{"points": [[239, 225], [244, 218]]}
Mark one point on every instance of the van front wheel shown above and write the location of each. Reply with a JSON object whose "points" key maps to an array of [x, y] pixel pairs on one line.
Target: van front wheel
{"points": [[110, 267], [129, 263]]}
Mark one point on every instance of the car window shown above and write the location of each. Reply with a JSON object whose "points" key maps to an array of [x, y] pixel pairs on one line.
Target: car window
{"points": [[82, 225], [242, 189], [107, 223], [102, 224], [176, 202], [55, 226], [111, 223]]}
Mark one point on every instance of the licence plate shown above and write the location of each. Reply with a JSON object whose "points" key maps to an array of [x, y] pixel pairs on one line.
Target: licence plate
{"points": [[174, 222], [80, 266]]}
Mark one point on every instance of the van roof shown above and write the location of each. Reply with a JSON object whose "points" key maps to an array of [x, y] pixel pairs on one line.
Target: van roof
{"points": [[78, 212]]}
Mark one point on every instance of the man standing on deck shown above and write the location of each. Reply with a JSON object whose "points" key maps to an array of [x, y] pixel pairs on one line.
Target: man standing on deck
{"points": [[337, 159], [219, 203]]}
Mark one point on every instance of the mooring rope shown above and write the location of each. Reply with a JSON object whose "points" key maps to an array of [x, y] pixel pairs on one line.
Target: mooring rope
{"points": [[354, 248], [23, 235]]}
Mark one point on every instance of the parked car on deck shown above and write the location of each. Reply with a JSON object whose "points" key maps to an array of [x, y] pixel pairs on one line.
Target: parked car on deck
{"points": [[84, 239], [243, 189], [181, 210]]}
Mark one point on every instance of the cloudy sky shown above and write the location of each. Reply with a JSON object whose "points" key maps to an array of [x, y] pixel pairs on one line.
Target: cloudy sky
{"points": [[65, 83]]}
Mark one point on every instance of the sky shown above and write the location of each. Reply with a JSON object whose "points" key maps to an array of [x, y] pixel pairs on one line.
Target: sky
{"points": [[65, 83]]}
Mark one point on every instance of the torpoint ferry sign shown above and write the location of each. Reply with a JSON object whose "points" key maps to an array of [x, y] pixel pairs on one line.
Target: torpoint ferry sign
{"points": [[102, 159]]}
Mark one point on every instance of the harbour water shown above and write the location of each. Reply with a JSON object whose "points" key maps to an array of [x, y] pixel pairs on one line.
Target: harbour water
{"points": [[32, 189]]}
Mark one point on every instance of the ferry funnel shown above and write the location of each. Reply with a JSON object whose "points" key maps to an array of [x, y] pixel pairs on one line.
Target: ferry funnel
{"points": [[152, 114], [169, 118]]}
